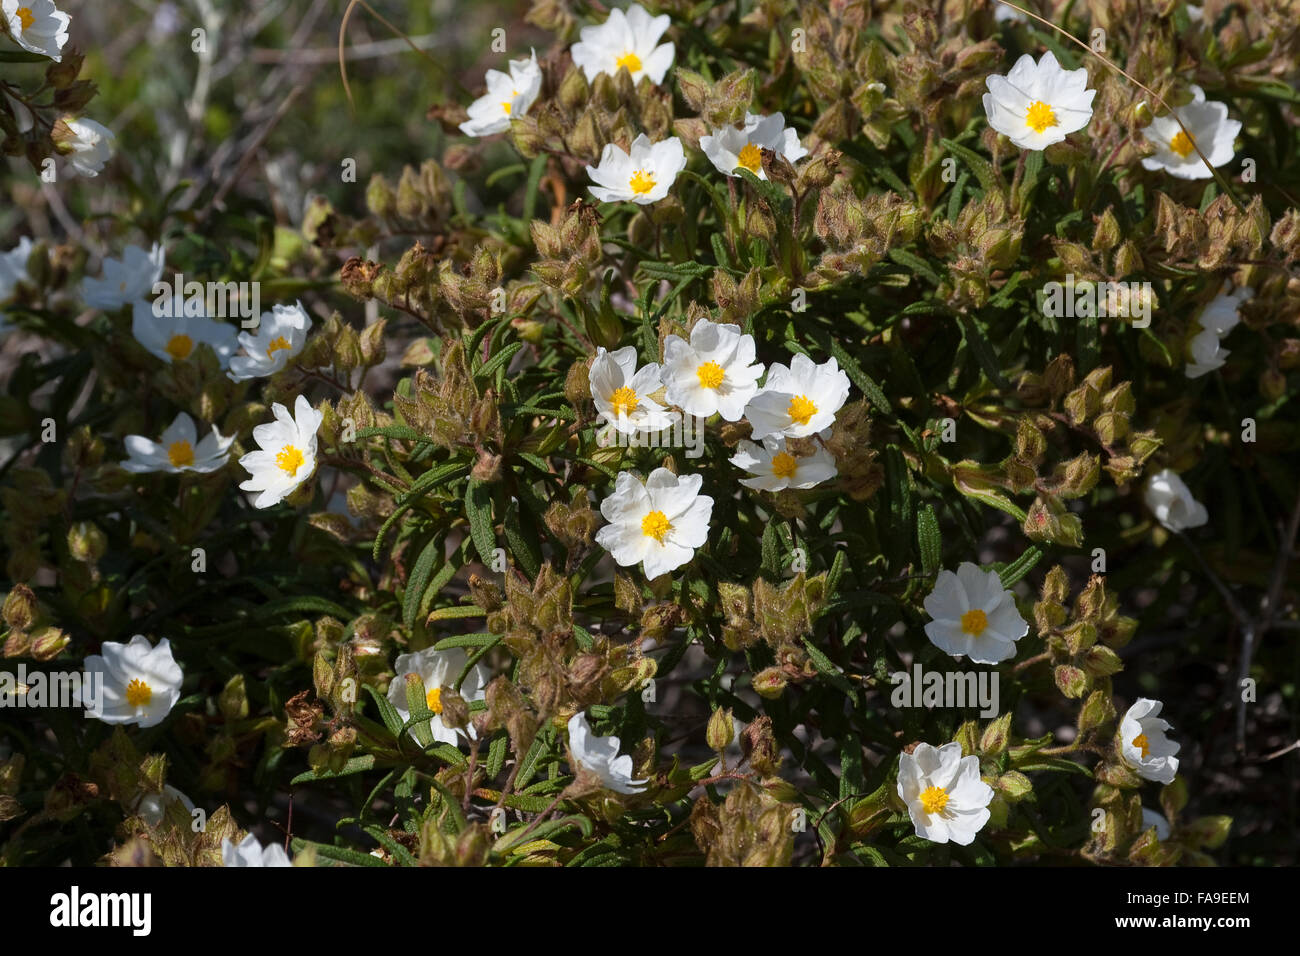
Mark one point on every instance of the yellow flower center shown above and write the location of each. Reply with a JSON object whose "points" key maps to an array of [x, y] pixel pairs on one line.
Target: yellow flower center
{"points": [[289, 459], [179, 346], [710, 375], [138, 693], [180, 453], [1040, 116], [623, 401], [1182, 144], [974, 622], [434, 700], [934, 799], [750, 158], [1142, 744], [629, 60], [802, 409], [784, 464], [656, 525], [26, 17], [505, 105], [641, 182], [279, 342]]}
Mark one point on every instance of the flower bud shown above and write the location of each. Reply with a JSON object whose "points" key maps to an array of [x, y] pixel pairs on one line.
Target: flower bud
{"points": [[86, 542], [48, 642], [1014, 785], [1071, 681], [720, 731], [20, 607], [769, 683], [1096, 712], [819, 172], [455, 710], [1107, 234], [759, 747], [996, 734]]}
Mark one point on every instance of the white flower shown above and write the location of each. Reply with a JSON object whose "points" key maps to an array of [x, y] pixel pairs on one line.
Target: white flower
{"points": [[1171, 501], [776, 468], [945, 796], [1145, 747], [798, 401], [152, 806], [174, 338], [248, 852], [13, 268], [126, 280], [1216, 320], [1152, 819], [1208, 127], [974, 615], [437, 669], [37, 26], [1206, 354], [621, 392], [713, 373], [1038, 104], [177, 450], [600, 756], [1222, 314], [625, 41], [733, 147], [508, 95], [658, 524], [140, 682], [286, 455], [281, 334], [91, 146], [641, 176]]}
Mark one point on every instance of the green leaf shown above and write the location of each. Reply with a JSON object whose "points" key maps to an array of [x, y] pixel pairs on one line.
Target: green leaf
{"points": [[771, 555], [982, 350], [914, 262], [478, 509], [930, 540], [860, 378], [826, 667], [534, 178], [300, 605], [1018, 568], [418, 579], [340, 853], [353, 766], [980, 166], [449, 755], [387, 712], [397, 432], [468, 640], [499, 360]]}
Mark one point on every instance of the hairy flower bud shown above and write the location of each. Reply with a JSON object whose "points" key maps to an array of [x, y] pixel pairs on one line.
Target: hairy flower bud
{"points": [[720, 730]]}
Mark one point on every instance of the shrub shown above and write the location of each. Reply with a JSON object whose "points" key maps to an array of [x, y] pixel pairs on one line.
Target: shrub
{"points": [[969, 383]]}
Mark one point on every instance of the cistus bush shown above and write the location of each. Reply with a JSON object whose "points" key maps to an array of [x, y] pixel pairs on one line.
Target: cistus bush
{"points": [[756, 433]]}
